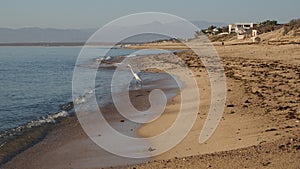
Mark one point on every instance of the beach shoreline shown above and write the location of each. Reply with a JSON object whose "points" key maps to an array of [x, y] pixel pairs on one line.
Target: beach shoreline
{"points": [[259, 126], [67, 129]]}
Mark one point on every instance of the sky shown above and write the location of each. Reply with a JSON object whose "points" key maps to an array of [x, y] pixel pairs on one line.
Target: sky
{"points": [[78, 14]]}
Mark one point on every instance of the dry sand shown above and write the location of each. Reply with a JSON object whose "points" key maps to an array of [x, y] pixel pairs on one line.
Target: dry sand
{"points": [[259, 127]]}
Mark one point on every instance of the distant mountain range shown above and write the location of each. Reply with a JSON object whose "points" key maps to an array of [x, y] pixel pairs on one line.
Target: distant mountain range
{"points": [[35, 34], [205, 24], [39, 35]]}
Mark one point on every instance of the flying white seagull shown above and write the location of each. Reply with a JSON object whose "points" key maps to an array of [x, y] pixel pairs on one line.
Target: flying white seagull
{"points": [[136, 76]]}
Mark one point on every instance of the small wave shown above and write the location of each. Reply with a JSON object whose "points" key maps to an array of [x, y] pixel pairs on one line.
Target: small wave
{"points": [[35, 123], [104, 59], [83, 99], [131, 55], [48, 119], [80, 100], [67, 107]]}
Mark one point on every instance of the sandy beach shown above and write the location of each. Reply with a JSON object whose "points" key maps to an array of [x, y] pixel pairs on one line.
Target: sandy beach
{"points": [[150, 84], [260, 124], [259, 127]]}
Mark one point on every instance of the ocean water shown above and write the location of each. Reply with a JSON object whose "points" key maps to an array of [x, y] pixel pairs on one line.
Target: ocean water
{"points": [[36, 81]]}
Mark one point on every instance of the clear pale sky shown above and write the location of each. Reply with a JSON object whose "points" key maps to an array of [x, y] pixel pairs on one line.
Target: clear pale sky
{"points": [[96, 13]]}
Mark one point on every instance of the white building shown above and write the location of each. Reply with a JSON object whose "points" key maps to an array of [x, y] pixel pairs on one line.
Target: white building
{"points": [[240, 27]]}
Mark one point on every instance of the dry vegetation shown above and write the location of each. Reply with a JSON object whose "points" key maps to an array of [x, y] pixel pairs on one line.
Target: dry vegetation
{"points": [[292, 27]]}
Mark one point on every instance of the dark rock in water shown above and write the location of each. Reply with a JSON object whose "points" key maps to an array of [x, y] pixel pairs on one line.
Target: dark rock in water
{"points": [[67, 107]]}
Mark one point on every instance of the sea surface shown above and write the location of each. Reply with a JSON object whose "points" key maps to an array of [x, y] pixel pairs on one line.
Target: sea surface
{"points": [[36, 81]]}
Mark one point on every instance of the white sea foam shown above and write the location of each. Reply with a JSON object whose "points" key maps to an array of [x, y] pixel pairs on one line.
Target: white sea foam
{"points": [[131, 55], [48, 119], [44, 120], [80, 100]]}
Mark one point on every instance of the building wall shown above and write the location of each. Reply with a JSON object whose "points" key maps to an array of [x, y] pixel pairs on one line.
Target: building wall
{"points": [[237, 26]]}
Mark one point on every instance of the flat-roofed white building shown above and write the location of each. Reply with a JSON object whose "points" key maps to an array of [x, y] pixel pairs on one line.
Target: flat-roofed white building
{"points": [[239, 27]]}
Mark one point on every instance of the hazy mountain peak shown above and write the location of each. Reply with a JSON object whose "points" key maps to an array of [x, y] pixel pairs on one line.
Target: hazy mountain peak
{"points": [[37, 34]]}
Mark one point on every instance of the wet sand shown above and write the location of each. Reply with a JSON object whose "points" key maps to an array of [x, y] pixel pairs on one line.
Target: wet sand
{"points": [[68, 146]]}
